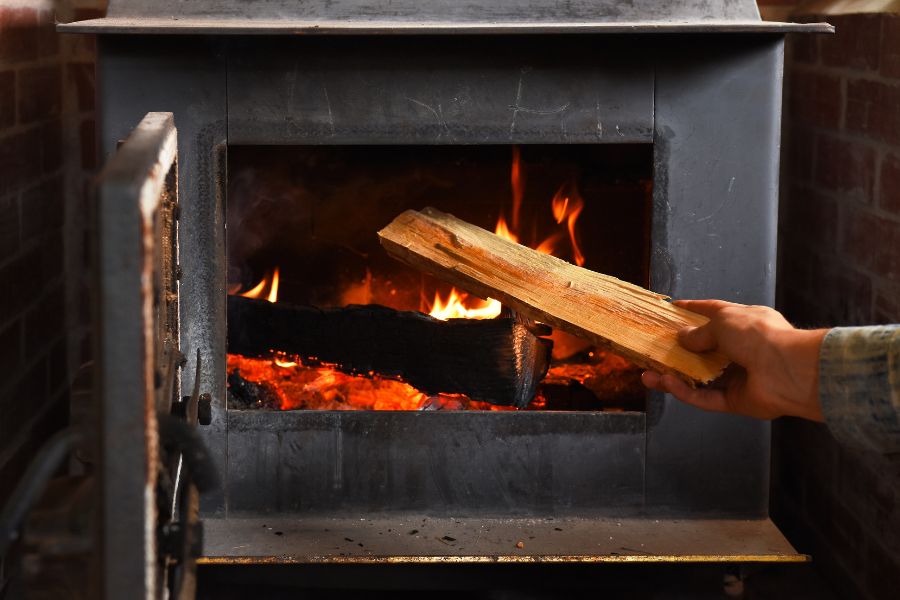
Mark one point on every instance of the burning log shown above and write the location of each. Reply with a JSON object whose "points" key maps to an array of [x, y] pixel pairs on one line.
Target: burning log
{"points": [[500, 361], [627, 319]]}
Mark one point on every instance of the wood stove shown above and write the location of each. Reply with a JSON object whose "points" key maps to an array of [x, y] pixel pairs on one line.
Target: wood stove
{"points": [[681, 99]]}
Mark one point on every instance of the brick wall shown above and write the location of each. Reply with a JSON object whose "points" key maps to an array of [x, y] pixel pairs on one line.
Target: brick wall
{"points": [[840, 265], [46, 153]]}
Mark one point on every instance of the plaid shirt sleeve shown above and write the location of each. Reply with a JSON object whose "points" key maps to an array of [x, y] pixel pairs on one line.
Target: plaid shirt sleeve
{"points": [[859, 386]]}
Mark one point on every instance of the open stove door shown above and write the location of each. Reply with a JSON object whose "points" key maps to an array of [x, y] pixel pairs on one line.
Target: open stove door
{"points": [[150, 460]]}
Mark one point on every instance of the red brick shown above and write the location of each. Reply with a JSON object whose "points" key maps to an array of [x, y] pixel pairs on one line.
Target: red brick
{"points": [[31, 393], [887, 305], [34, 435], [856, 43], [88, 137], [20, 159], [48, 39], [843, 294], [81, 77], [809, 217], [794, 271], [40, 93], [804, 48], [889, 192], [18, 39], [862, 484], [45, 323], [846, 167], [82, 47], [51, 146], [25, 276], [83, 14], [7, 99], [871, 241], [25, 399], [882, 571], [59, 365], [890, 46], [42, 209], [85, 46], [799, 151], [814, 98], [9, 229], [11, 347], [52, 256], [873, 108]]}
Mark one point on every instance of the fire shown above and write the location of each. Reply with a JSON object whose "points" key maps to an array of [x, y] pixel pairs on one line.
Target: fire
{"points": [[459, 306], [267, 282], [283, 382], [517, 185], [294, 384], [566, 207], [288, 382], [503, 231]]}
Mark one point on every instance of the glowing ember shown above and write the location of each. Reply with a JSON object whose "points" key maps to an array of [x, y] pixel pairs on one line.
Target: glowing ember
{"points": [[287, 383], [579, 379], [293, 385]]}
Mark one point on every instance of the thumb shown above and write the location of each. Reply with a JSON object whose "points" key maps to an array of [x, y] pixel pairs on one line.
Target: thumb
{"points": [[698, 339]]}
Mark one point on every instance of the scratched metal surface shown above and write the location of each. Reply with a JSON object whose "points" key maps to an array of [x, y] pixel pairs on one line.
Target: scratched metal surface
{"points": [[462, 463], [187, 77], [444, 10], [436, 91], [129, 199], [413, 538], [247, 26]]}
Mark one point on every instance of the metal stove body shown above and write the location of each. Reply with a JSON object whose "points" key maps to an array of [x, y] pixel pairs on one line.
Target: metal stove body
{"points": [[699, 81]]}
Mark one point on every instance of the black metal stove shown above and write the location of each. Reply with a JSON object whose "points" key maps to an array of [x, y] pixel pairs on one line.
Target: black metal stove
{"points": [[698, 83]]}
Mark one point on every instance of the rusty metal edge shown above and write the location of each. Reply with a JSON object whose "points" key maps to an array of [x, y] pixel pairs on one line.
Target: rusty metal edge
{"points": [[120, 25], [511, 559]]}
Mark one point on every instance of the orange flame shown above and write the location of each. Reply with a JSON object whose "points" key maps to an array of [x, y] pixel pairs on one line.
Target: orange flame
{"points": [[549, 245], [503, 231], [516, 183], [458, 306], [273, 290], [559, 205], [257, 290], [568, 207]]}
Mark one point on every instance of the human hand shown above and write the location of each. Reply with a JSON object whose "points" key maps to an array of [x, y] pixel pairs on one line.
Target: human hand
{"points": [[775, 368]]}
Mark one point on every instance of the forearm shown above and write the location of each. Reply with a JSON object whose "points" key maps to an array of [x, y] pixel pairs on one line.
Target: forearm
{"points": [[796, 358], [859, 386]]}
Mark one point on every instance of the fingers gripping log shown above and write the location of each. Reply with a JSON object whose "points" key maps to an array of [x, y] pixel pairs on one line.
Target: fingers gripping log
{"points": [[625, 318]]}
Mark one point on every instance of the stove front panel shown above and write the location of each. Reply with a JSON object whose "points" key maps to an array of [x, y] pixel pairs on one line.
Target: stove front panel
{"points": [[710, 104], [547, 90]]}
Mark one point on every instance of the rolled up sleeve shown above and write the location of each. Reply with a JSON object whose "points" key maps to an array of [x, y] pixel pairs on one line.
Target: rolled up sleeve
{"points": [[859, 386]]}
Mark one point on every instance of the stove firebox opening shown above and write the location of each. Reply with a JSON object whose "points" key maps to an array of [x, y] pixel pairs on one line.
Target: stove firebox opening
{"points": [[301, 228]]}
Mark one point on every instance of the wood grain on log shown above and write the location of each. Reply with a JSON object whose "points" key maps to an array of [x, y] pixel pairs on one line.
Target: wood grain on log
{"points": [[634, 322]]}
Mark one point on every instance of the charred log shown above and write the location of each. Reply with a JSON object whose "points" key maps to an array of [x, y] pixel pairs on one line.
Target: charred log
{"points": [[500, 361], [244, 393]]}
